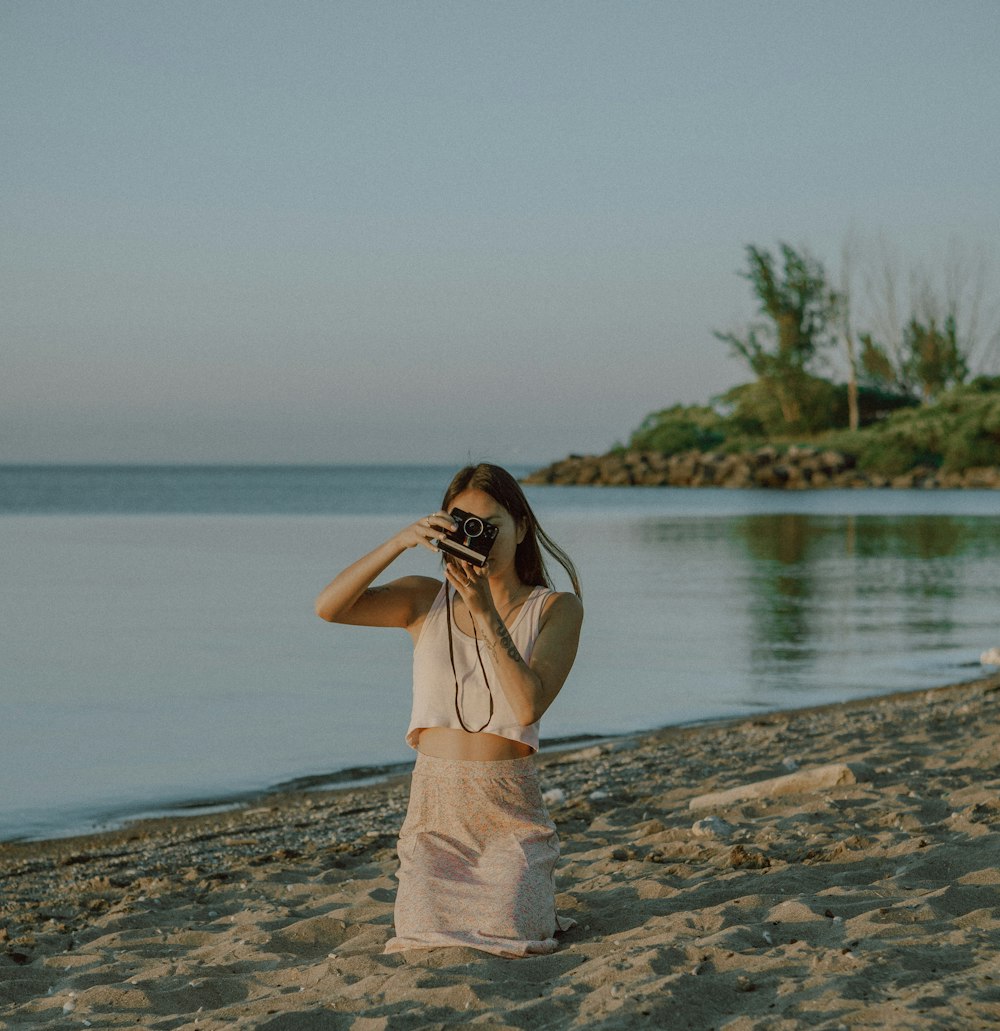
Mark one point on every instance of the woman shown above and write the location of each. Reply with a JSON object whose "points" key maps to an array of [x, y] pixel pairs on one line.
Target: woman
{"points": [[492, 647]]}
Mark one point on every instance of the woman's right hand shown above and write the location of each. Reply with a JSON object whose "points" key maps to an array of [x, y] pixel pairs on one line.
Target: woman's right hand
{"points": [[350, 598], [427, 531]]}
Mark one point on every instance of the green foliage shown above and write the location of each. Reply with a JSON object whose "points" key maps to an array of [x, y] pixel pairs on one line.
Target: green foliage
{"points": [[931, 360], [912, 405], [758, 408], [877, 368], [960, 431], [892, 454], [797, 304], [974, 438], [936, 356], [874, 404], [983, 385], [680, 428], [799, 309]]}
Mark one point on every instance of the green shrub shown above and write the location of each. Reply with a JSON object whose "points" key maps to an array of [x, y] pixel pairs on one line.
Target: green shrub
{"points": [[680, 428], [756, 408], [983, 385], [975, 438], [894, 454], [961, 430], [874, 405]]}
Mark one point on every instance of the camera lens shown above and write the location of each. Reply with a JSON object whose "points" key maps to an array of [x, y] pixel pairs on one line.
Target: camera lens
{"points": [[472, 527]]}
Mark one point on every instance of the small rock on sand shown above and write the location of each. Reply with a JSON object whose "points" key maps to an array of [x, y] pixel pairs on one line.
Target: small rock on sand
{"points": [[712, 827]]}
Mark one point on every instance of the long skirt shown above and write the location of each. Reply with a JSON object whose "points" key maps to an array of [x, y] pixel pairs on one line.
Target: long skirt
{"points": [[477, 857]]}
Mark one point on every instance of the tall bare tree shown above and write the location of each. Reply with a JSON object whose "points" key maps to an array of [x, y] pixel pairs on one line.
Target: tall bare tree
{"points": [[842, 305]]}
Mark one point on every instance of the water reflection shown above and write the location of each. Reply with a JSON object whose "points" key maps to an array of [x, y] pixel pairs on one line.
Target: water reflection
{"points": [[840, 604], [820, 583], [780, 584], [791, 538]]}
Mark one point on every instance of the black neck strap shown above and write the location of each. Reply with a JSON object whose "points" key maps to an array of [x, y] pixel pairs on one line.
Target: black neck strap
{"points": [[451, 655]]}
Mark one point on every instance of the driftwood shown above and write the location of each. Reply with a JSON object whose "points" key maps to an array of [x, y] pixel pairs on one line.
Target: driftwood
{"points": [[802, 782]]}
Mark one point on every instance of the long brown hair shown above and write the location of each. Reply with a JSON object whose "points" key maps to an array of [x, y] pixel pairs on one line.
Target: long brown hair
{"points": [[506, 491]]}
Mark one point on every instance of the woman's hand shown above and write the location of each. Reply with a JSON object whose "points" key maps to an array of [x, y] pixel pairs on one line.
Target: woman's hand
{"points": [[529, 688], [350, 598], [427, 531], [473, 585]]}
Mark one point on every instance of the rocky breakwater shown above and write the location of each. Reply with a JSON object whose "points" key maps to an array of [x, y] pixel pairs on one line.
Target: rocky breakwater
{"points": [[796, 468]]}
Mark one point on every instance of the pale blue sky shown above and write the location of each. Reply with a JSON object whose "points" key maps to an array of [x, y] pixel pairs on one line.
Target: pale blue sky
{"points": [[418, 231]]}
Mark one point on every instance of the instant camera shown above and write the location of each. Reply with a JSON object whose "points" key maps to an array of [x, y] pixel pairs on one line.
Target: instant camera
{"points": [[471, 540]]}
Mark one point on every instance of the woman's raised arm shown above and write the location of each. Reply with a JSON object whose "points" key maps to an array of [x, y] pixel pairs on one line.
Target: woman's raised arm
{"points": [[350, 598]]}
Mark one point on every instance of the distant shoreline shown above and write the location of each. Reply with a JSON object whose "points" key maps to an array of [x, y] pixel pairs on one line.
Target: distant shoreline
{"points": [[797, 468]]}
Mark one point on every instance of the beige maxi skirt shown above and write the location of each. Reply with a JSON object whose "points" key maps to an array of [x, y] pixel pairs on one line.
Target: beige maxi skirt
{"points": [[477, 858]]}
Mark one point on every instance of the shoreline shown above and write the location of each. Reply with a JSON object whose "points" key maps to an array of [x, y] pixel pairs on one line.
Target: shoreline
{"points": [[297, 791], [350, 777], [372, 775], [825, 906]]}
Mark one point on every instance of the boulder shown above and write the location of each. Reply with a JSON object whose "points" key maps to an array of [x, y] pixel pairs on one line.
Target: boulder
{"points": [[736, 474], [987, 477], [681, 470], [835, 462], [588, 472], [797, 468], [620, 477], [772, 475], [704, 473]]}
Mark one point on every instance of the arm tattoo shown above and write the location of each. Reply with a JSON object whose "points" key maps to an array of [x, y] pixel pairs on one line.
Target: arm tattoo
{"points": [[503, 635]]}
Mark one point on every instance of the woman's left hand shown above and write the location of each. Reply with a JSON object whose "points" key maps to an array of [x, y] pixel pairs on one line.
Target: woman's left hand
{"points": [[473, 585]]}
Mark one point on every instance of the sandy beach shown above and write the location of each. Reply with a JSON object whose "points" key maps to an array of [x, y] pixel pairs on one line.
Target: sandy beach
{"points": [[833, 867]]}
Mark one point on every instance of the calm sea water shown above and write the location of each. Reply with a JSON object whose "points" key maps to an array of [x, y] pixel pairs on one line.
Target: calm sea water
{"points": [[159, 645]]}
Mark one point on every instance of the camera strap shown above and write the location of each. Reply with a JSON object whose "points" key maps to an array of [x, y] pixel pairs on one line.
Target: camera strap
{"points": [[454, 673]]}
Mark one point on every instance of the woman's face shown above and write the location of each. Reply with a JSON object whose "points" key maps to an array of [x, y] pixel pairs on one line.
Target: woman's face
{"points": [[509, 535]]}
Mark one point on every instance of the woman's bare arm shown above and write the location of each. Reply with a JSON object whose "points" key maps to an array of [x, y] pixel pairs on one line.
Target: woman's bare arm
{"points": [[350, 598], [529, 687]]}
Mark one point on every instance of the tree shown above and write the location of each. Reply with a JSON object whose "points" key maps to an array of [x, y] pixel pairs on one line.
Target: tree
{"points": [[936, 358], [799, 309], [947, 329], [880, 370], [932, 360], [843, 318]]}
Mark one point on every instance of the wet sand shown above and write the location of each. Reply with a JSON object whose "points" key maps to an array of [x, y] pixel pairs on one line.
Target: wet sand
{"points": [[863, 896]]}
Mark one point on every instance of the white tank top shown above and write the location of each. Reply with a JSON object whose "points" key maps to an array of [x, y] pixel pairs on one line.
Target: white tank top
{"points": [[434, 682]]}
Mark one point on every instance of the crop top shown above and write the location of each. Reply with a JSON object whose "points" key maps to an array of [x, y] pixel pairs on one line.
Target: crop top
{"points": [[434, 682]]}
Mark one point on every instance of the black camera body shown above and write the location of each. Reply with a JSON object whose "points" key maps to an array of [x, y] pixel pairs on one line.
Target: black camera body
{"points": [[472, 540]]}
